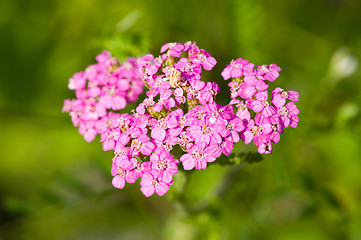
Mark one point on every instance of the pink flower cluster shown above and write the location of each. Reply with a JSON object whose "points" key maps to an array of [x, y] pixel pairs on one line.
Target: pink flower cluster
{"points": [[100, 90], [180, 109], [264, 120], [179, 113]]}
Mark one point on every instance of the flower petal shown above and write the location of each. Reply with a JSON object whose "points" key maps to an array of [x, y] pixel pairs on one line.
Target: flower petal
{"points": [[118, 181]]}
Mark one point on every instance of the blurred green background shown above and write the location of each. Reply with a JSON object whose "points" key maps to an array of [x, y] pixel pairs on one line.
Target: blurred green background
{"points": [[54, 185]]}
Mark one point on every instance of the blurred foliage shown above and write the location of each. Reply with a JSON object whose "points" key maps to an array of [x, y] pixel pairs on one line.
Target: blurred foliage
{"points": [[54, 185]]}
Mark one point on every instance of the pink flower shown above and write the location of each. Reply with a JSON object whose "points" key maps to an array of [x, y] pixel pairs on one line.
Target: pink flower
{"points": [[277, 127], [103, 57], [205, 131], [288, 114], [129, 133], [202, 57], [164, 163], [138, 170], [165, 101], [197, 157], [185, 140], [261, 104], [269, 72], [110, 99], [188, 69], [242, 109], [109, 140], [153, 182], [225, 147], [94, 112], [77, 81], [237, 68], [234, 127], [265, 146], [157, 85], [248, 91], [208, 93], [119, 171], [174, 49], [159, 129], [279, 96], [87, 130], [256, 130], [218, 113], [141, 144]]}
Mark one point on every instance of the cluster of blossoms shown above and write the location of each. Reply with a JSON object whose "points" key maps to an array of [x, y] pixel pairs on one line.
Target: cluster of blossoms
{"points": [[180, 114], [100, 90], [267, 119]]}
